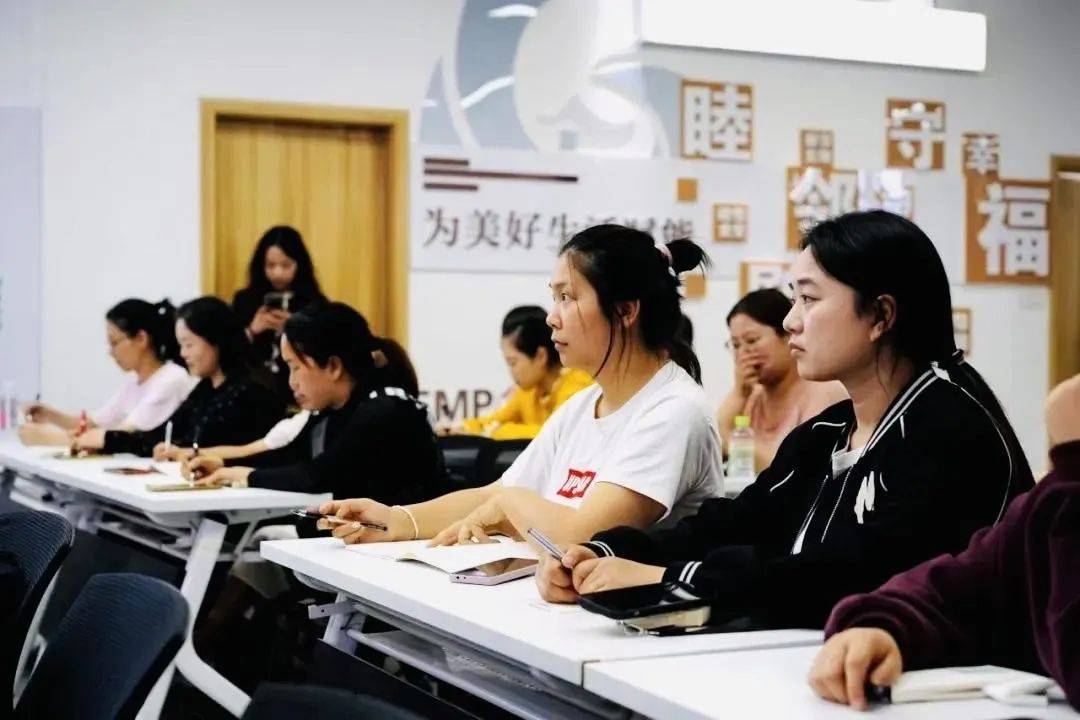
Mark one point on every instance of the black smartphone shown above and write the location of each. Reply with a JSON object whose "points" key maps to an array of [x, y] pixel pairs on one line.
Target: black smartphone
{"points": [[278, 300], [643, 600]]}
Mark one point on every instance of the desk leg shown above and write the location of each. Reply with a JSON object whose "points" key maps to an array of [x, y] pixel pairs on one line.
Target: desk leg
{"points": [[200, 565], [335, 634]]}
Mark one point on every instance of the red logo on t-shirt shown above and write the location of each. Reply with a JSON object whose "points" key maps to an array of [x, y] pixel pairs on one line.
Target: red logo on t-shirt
{"points": [[577, 482]]}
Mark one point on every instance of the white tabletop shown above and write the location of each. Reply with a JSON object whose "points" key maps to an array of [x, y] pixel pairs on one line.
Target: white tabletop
{"points": [[510, 619], [764, 684], [88, 475]]}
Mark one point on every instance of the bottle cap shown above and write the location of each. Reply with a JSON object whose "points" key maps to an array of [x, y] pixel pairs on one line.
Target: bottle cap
{"points": [[742, 421]]}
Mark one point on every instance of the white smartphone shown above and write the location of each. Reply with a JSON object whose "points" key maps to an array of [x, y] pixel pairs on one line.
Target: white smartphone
{"points": [[496, 573]]}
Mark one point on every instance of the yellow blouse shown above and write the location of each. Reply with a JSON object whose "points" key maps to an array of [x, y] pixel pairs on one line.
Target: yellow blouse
{"points": [[525, 411]]}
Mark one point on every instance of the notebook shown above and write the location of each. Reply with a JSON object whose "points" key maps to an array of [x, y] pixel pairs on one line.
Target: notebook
{"points": [[959, 683], [448, 558]]}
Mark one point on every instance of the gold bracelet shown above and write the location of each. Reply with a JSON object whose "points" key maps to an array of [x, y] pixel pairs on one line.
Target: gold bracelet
{"points": [[415, 527]]}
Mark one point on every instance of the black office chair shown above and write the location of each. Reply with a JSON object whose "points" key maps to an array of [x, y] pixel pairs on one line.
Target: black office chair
{"points": [[279, 701], [33, 545], [117, 638], [461, 455], [497, 457]]}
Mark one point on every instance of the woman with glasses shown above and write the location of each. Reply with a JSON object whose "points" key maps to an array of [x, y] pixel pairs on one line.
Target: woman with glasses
{"points": [[768, 388]]}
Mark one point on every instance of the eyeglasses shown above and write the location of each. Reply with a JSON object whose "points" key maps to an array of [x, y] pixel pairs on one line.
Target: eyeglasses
{"points": [[747, 344]]}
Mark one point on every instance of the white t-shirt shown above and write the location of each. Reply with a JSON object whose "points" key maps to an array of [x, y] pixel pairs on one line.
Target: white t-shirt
{"points": [[144, 406], [662, 443]]}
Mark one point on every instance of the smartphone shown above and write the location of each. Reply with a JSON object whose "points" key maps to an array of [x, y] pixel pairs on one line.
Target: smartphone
{"points": [[644, 601], [497, 572], [277, 300]]}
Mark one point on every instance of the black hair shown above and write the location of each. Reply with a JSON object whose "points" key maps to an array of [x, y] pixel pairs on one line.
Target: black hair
{"points": [[768, 306], [334, 329], [527, 328], [289, 240], [624, 264], [214, 321], [878, 253], [397, 369], [686, 331], [157, 320]]}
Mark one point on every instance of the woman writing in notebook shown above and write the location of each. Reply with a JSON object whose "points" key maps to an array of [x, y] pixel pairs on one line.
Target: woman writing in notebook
{"points": [[362, 436], [768, 388], [541, 383], [226, 407], [637, 448], [919, 458], [142, 342]]}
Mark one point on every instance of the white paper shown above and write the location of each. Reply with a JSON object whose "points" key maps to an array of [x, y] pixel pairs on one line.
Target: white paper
{"points": [[954, 683], [448, 558]]}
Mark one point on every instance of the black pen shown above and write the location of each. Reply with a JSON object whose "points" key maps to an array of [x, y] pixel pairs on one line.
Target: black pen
{"points": [[673, 630]]}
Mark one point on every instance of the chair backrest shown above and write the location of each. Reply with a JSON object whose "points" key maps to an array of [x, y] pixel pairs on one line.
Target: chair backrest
{"points": [[279, 701], [35, 545], [461, 454], [497, 457], [117, 638]]}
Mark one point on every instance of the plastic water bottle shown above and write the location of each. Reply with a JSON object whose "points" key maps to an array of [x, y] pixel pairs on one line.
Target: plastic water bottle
{"points": [[741, 454]]}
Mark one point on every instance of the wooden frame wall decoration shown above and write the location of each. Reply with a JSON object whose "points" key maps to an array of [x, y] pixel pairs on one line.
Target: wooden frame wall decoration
{"points": [[760, 274], [816, 147], [915, 134], [962, 330], [731, 222], [716, 121], [1006, 220]]}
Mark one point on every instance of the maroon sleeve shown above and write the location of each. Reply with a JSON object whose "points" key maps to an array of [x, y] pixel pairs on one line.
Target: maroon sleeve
{"points": [[935, 611], [1053, 565]]}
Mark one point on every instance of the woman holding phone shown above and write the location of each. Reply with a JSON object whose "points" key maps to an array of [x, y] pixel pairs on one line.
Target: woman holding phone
{"points": [[281, 281]]}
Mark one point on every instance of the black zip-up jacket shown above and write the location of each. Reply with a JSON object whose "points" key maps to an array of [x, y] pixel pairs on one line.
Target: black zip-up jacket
{"points": [[938, 467], [379, 444]]}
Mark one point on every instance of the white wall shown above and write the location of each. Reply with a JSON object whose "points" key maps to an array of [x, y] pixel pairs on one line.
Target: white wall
{"points": [[119, 83]]}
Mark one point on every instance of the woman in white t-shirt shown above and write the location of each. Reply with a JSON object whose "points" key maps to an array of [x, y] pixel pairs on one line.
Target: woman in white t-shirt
{"points": [[142, 342], [637, 448]]}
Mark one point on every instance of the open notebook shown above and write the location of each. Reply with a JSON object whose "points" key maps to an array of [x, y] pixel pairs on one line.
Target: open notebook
{"points": [[957, 683], [448, 558]]}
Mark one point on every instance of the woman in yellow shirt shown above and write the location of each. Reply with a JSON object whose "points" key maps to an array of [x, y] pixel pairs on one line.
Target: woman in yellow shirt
{"points": [[543, 384]]}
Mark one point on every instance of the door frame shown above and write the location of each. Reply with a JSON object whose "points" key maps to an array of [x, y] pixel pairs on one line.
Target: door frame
{"points": [[396, 125], [1064, 304]]}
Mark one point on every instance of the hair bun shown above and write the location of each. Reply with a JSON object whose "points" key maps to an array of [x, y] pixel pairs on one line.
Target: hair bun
{"points": [[686, 255]]}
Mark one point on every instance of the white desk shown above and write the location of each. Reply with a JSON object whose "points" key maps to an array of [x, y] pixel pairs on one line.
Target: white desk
{"points": [[553, 644], [764, 684], [82, 491]]}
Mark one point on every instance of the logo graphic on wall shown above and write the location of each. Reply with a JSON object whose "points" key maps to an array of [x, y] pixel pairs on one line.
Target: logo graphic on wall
{"points": [[551, 75]]}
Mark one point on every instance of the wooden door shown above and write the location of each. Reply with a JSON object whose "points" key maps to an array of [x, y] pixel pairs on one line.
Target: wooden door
{"points": [[334, 181], [1065, 270]]}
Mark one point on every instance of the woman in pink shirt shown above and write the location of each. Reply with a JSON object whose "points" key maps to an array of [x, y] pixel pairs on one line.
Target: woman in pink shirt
{"points": [[768, 388]]}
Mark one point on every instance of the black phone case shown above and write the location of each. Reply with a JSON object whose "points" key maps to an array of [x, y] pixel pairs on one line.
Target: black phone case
{"points": [[595, 602]]}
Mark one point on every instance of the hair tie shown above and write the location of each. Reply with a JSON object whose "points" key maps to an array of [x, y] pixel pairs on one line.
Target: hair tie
{"points": [[665, 251], [379, 358]]}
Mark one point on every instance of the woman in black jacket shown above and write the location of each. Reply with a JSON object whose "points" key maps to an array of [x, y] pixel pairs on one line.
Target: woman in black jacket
{"points": [[363, 438], [226, 407], [919, 458]]}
